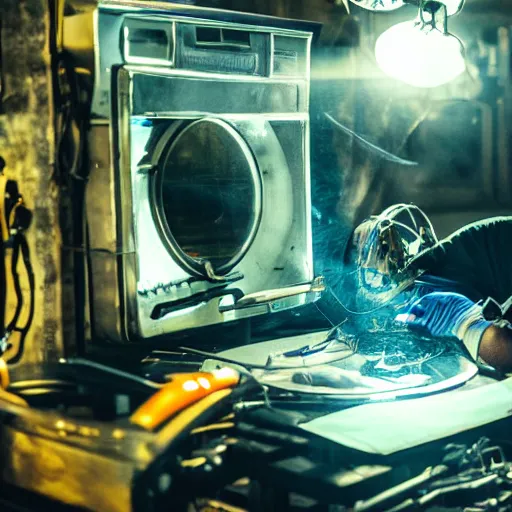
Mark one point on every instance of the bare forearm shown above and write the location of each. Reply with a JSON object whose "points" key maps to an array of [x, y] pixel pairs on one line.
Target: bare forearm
{"points": [[496, 347]]}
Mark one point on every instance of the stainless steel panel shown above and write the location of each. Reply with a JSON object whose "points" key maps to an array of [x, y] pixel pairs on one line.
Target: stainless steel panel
{"points": [[156, 94], [103, 243], [142, 287], [280, 255], [111, 19]]}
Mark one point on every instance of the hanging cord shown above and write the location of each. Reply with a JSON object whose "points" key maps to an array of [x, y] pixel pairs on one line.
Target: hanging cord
{"points": [[72, 98], [15, 218], [21, 244], [3, 237]]}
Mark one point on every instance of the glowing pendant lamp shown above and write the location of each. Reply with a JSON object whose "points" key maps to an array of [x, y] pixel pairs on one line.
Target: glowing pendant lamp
{"points": [[379, 5], [452, 6], [420, 53]]}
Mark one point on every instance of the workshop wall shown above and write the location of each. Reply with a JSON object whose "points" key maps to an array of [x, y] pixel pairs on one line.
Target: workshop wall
{"points": [[27, 146], [350, 183]]}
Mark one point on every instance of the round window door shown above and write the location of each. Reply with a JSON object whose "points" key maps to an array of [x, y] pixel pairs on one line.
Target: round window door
{"points": [[208, 192]]}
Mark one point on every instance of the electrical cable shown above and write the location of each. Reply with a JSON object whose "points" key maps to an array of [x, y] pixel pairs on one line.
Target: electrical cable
{"points": [[3, 283], [17, 285], [15, 218], [72, 168], [129, 377], [22, 243]]}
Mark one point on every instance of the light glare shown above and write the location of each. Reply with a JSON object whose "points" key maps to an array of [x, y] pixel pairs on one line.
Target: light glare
{"points": [[452, 6], [204, 383], [421, 57], [190, 385], [224, 372]]}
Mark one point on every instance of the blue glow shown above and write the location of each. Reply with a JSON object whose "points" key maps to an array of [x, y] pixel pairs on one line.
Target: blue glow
{"points": [[141, 121]]}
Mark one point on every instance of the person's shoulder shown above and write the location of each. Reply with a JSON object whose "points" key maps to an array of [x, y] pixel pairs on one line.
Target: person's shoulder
{"points": [[470, 238], [490, 223]]}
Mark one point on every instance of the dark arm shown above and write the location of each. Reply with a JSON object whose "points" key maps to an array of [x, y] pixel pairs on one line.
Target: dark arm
{"points": [[496, 347]]}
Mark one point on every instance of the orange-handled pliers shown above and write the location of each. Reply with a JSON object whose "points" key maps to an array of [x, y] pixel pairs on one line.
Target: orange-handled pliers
{"points": [[183, 390]]}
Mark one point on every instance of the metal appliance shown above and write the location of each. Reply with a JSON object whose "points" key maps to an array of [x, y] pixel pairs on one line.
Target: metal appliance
{"points": [[198, 202]]}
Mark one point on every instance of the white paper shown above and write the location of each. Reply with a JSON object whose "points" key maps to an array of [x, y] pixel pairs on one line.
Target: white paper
{"points": [[385, 428]]}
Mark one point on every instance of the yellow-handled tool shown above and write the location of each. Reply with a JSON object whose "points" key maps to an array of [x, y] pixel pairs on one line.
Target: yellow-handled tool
{"points": [[184, 390]]}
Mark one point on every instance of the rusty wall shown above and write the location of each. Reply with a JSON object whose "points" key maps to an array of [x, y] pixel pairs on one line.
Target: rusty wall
{"points": [[27, 146]]}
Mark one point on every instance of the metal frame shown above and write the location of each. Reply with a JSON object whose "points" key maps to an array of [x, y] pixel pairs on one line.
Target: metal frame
{"points": [[134, 269], [164, 148]]}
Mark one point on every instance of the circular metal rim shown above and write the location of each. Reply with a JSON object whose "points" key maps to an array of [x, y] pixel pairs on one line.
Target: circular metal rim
{"points": [[166, 145]]}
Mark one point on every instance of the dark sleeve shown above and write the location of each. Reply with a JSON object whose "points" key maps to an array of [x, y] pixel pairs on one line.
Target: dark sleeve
{"points": [[478, 256]]}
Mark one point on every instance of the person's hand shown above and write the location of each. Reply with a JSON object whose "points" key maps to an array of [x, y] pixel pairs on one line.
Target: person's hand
{"points": [[447, 314], [440, 313]]}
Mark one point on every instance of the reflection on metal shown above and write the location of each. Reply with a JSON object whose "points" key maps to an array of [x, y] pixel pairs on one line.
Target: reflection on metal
{"points": [[199, 184], [271, 296], [207, 201], [212, 276], [376, 366]]}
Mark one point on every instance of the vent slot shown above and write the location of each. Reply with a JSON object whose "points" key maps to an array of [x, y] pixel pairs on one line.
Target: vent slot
{"points": [[145, 42], [238, 37], [148, 42], [290, 56], [219, 37], [222, 49], [208, 35]]}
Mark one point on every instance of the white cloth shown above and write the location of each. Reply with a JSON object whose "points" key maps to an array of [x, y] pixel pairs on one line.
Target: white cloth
{"points": [[386, 428]]}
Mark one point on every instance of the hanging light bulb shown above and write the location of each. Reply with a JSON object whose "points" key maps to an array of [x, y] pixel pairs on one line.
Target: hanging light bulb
{"points": [[418, 52], [452, 6]]}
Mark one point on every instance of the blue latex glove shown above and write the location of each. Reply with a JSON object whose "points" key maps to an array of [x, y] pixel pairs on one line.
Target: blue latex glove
{"points": [[447, 314]]}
